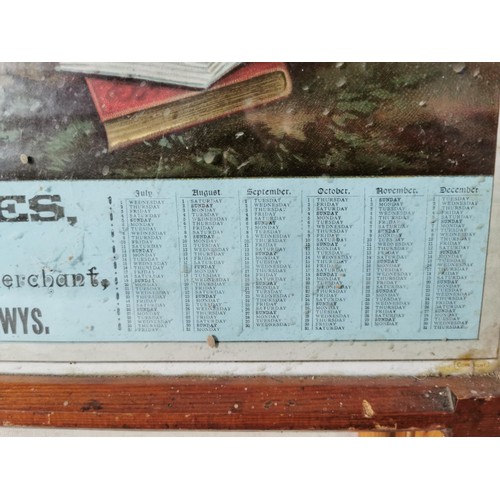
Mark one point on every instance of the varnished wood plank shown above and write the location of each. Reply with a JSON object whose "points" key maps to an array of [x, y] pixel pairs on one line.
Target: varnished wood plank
{"points": [[467, 406]]}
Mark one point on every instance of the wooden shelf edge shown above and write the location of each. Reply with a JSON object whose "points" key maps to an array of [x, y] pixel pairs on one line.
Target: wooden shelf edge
{"points": [[462, 406]]}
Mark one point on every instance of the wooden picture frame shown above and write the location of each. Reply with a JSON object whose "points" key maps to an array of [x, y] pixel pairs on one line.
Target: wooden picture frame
{"points": [[455, 406]]}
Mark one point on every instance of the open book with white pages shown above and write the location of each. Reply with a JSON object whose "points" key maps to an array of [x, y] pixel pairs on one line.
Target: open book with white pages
{"points": [[187, 74]]}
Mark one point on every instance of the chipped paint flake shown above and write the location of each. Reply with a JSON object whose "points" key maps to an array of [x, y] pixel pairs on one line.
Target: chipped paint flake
{"points": [[367, 409]]}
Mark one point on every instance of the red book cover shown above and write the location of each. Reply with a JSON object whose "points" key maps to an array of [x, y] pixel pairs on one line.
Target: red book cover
{"points": [[115, 98]]}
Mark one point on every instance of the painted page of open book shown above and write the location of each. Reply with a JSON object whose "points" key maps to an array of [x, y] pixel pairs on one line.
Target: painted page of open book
{"points": [[200, 75]]}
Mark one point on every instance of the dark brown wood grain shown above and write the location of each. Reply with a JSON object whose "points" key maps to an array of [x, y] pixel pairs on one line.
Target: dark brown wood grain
{"points": [[462, 406]]}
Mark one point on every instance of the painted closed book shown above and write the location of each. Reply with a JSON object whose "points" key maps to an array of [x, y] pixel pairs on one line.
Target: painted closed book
{"points": [[133, 111]]}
